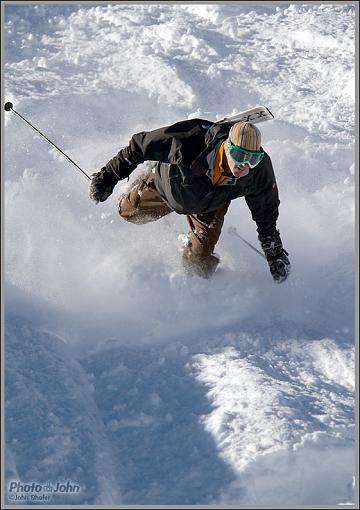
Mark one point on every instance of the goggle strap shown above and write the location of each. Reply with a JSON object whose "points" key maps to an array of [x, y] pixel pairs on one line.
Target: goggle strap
{"points": [[231, 145]]}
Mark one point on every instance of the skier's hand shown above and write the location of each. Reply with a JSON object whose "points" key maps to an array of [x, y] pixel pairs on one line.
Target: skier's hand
{"points": [[276, 256], [102, 185]]}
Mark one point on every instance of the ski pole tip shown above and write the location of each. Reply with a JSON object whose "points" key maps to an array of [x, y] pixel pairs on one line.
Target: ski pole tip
{"points": [[8, 106]]}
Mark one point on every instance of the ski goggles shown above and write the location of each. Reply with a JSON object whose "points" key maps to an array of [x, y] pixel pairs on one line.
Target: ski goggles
{"points": [[243, 156]]}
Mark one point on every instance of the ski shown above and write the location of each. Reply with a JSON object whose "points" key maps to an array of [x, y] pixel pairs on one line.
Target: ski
{"points": [[254, 115]]}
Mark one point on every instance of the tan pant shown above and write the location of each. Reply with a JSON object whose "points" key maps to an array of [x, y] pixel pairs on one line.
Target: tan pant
{"points": [[143, 204]]}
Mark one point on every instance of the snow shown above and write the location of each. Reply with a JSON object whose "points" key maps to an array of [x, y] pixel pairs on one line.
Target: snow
{"points": [[123, 375]]}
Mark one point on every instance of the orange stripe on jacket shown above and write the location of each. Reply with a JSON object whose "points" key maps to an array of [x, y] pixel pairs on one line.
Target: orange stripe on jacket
{"points": [[219, 167]]}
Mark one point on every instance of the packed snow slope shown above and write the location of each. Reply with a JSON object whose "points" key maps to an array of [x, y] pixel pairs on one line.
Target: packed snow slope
{"points": [[124, 376]]}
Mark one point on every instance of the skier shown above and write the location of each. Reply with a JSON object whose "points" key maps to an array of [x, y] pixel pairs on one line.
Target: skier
{"points": [[199, 167]]}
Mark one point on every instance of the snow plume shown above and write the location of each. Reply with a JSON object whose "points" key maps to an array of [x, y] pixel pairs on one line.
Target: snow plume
{"points": [[123, 374]]}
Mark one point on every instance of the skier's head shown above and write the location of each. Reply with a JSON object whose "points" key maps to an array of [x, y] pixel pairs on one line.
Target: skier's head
{"points": [[243, 148], [245, 135]]}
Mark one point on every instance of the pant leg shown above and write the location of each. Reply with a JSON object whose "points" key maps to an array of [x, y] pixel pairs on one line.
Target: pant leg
{"points": [[143, 202], [204, 232]]}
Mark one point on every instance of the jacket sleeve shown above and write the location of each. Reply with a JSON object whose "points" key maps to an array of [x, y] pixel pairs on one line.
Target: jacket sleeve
{"points": [[166, 144], [264, 201]]}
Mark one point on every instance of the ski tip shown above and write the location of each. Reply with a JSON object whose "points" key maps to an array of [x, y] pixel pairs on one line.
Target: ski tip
{"points": [[8, 106], [254, 115], [270, 113]]}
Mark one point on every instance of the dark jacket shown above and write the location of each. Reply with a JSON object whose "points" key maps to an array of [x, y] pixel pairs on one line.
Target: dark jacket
{"points": [[185, 154]]}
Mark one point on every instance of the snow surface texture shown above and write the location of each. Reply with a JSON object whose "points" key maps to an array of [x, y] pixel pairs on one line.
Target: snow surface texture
{"points": [[124, 376]]}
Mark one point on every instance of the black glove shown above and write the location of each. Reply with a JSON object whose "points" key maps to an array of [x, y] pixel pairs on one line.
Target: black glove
{"points": [[118, 168], [276, 256], [102, 185]]}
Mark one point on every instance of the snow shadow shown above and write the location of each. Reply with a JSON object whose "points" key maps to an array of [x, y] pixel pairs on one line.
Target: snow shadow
{"points": [[152, 406], [53, 429], [123, 423]]}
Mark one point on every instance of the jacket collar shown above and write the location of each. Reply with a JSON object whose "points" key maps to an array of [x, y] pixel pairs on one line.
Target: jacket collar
{"points": [[214, 137]]}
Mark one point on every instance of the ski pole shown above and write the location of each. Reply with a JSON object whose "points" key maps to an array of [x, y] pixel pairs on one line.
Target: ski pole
{"points": [[9, 107], [233, 231]]}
